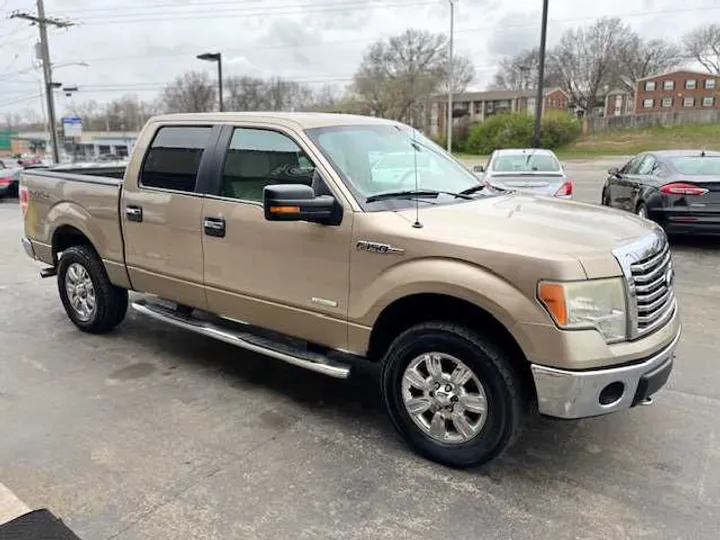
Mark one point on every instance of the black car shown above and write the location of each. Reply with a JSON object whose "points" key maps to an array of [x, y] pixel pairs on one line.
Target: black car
{"points": [[678, 189]]}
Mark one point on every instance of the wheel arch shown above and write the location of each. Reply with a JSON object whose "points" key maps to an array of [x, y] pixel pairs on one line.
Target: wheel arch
{"points": [[414, 309], [66, 236]]}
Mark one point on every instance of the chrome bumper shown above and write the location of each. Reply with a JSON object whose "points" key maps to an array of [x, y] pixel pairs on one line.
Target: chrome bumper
{"points": [[580, 394], [28, 247]]}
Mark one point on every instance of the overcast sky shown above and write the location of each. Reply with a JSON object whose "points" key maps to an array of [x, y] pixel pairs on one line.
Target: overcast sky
{"points": [[135, 47]]}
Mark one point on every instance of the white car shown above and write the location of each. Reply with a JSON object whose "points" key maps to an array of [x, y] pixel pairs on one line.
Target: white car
{"points": [[528, 170]]}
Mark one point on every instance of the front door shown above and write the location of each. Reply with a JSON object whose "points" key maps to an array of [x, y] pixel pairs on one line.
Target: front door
{"points": [[162, 215], [291, 277]]}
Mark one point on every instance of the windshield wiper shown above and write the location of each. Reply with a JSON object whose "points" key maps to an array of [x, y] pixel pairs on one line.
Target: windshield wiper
{"points": [[414, 193]]}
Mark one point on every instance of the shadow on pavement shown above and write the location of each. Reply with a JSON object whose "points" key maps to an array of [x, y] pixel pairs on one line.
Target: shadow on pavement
{"points": [[357, 399]]}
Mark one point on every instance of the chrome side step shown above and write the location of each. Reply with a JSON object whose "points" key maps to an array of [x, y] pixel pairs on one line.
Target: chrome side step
{"points": [[246, 340]]}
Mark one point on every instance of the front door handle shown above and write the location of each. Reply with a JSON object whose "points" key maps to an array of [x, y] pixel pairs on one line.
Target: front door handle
{"points": [[134, 213], [214, 226]]}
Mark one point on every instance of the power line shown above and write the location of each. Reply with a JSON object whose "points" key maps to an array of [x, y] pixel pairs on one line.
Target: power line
{"points": [[21, 100], [203, 14], [341, 42], [164, 8]]}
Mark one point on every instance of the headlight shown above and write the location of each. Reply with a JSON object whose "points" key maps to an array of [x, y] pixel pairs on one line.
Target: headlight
{"points": [[598, 304]]}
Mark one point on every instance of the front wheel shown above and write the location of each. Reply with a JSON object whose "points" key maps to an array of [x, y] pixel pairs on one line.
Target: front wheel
{"points": [[452, 394], [91, 302]]}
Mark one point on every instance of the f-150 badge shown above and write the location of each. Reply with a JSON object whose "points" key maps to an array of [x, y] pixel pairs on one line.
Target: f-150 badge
{"points": [[375, 247]]}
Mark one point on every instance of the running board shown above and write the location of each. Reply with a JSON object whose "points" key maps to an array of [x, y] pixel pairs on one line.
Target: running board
{"points": [[246, 340]]}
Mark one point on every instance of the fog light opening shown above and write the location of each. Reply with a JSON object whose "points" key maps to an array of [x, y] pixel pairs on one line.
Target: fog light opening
{"points": [[612, 393]]}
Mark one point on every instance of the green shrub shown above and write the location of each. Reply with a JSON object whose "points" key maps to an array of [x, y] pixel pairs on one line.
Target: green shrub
{"points": [[517, 131], [559, 129]]}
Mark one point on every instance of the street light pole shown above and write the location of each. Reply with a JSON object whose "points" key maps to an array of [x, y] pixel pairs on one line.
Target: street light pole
{"points": [[539, 101], [450, 76], [216, 57]]}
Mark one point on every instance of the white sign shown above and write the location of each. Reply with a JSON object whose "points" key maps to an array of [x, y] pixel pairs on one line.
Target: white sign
{"points": [[72, 126]]}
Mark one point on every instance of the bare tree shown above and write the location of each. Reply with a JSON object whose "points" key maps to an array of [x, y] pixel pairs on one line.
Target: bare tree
{"points": [[585, 60], [397, 75], [638, 59], [520, 72], [192, 91], [463, 74], [703, 44]]}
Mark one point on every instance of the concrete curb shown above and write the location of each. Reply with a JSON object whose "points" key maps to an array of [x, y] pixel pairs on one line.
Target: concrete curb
{"points": [[10, 506]]}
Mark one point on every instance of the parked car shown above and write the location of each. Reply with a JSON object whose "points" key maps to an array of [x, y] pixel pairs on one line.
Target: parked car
{"points": [[9, 178], [679, 189], [268, 231], [529, 170]]}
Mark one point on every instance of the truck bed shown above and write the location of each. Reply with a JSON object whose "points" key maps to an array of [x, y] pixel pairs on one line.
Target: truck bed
{"points": [[86, 197]]}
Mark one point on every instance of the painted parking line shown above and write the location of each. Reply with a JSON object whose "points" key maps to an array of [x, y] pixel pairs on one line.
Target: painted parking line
{"points": [[10, 506]]}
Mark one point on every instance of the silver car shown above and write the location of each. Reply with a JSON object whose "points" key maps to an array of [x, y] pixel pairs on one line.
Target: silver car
{"points": [[528, 170]]}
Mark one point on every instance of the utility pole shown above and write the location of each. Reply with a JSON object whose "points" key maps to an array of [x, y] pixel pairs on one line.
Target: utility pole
{"points": [[539, 100], [43, 23], [450, 76]]}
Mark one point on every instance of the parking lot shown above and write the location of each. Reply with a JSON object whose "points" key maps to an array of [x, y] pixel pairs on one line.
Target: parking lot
{"points": [[153, 432]]}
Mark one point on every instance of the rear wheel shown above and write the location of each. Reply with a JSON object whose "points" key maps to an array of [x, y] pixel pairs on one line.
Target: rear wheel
{"points": [[91, 302], [642, 211], [452, 394]]}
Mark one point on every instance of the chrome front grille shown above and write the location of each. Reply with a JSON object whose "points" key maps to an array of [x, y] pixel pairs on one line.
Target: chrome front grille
{"points": [[654, 297], [647, 266]]}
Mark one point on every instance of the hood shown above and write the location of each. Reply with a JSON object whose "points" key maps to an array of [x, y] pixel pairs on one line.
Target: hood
{"points": [[538, 227]]}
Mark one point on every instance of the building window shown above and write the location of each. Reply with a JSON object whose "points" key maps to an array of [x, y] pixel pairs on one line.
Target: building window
{"points": [[709, 84], [708, 101], [689, 102], [650, 86], [669, 85], [648, 103], [667, 102], [691, 84]]}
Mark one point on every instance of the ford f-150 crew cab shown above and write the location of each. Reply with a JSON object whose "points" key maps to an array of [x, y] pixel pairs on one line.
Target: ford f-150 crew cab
{"points": [[326, 240]]}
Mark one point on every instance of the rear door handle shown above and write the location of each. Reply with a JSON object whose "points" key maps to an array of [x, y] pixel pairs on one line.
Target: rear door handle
{"points": [[214, 226], [134, 213]]}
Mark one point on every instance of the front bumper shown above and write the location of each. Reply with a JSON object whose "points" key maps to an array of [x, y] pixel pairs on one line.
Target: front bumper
{"points": [[581, 394]]}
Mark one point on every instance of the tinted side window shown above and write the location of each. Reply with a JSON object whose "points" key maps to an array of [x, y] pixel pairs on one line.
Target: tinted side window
{"points": [[633, 166], [173, 159], [646, 165], [259, 157]]}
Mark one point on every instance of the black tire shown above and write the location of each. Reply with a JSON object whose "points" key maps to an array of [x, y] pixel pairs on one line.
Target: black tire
{"points": [[111, 302], [507, 403], [641, 210], [605, 199]]}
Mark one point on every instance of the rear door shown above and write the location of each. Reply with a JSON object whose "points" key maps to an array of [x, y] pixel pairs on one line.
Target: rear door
{"points": [[161, 213], [620, 188], [290, 277]]}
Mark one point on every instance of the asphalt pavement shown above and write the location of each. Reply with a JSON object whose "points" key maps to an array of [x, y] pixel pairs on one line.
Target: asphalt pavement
{"points": [[151, 432]]}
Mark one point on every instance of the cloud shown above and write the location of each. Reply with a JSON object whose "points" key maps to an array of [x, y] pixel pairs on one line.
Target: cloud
{"points": [[136, 46]]}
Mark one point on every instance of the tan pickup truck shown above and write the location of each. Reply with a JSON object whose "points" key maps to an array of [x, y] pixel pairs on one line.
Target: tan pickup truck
{"points": [[325, 240]]}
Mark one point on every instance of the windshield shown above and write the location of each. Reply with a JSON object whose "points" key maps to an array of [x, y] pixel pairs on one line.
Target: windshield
{"points": [[377, 159], [519, 163], [697, 165]]}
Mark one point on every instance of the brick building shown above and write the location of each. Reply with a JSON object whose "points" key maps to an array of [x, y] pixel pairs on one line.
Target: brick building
{"points": [[677, 91], [477, 106], [618, 102]]}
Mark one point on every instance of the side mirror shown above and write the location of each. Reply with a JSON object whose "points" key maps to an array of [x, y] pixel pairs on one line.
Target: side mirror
{"points": [[478, 168], [298, 202], [614, 171]]}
